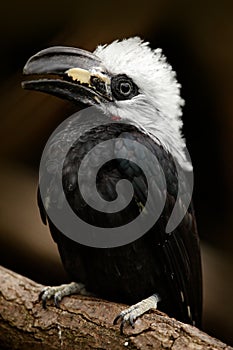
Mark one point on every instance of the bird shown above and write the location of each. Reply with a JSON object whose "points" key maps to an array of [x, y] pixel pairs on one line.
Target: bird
{"points": [[134, 100]]}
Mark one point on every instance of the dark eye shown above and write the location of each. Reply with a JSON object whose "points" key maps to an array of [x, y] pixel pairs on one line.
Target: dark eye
{"points": [[123, 87]]}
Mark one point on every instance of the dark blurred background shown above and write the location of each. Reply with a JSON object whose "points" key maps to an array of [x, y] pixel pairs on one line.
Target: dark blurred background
{"points": [[197, 38]]}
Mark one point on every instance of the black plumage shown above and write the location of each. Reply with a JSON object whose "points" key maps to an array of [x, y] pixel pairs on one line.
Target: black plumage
{"points": [[166, 263]]}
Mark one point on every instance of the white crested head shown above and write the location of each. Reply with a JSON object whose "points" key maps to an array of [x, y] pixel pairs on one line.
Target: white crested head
{"points": [[157, 107]]}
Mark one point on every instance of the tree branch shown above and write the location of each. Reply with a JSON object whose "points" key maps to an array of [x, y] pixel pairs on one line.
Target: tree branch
{"points": [[84, 323]]}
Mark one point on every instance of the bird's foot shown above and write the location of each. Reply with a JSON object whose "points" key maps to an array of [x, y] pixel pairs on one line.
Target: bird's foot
{"points": [[58, 292], [129, 316]]}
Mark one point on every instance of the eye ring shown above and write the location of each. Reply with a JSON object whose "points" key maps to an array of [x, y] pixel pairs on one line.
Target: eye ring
{"points": [[123, 87]]}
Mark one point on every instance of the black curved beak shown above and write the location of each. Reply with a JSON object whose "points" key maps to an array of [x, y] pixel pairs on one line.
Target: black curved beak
{"points": [[69, 73]]}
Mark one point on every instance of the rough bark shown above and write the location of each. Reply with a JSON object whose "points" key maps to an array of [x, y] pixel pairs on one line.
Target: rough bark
{"points": [[84, 323]]}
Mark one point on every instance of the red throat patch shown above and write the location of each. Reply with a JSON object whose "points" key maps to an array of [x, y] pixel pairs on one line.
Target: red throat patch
{"points": [[115, 118]]}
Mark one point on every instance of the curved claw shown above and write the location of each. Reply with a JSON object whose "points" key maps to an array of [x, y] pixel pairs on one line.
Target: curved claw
{"points": [[40, 295], [57, 301], [42, 298], [116, 319], [125, 318], [44, 303]]}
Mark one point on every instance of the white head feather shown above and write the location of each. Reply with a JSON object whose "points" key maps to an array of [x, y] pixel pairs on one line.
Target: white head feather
{"points": [[157, 107]]}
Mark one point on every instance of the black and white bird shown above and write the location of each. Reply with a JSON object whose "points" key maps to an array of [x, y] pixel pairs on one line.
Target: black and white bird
{"points": [[125, 81]]}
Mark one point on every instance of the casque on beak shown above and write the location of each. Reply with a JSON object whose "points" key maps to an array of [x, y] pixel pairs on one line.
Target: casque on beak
{"points": [[69, 73]]}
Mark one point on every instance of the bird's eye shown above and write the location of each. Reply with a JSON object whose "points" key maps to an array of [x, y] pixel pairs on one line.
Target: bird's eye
{"points": [[123, 87]]}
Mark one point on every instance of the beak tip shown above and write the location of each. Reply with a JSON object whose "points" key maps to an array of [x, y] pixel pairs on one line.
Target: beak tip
{"points": [[26, 68], [23, 84]]}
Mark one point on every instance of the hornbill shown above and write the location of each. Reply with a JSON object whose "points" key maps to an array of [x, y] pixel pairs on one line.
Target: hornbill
{"points": [[136, 97]]}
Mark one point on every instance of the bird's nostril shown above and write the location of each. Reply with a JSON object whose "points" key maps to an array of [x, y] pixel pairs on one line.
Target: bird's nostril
{"points": [[98, 84]]}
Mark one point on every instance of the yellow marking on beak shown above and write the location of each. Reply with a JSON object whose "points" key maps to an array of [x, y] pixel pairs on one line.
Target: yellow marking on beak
{"points": [[79, 74]]}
